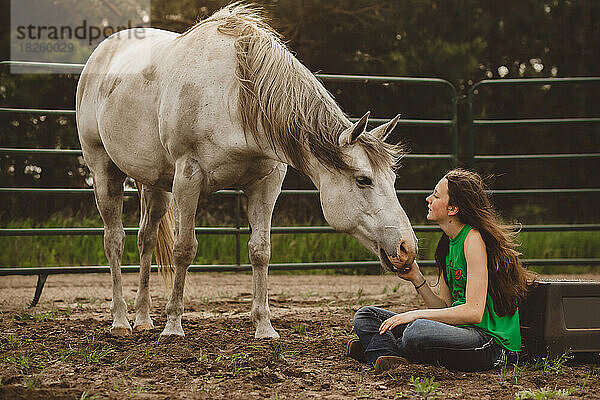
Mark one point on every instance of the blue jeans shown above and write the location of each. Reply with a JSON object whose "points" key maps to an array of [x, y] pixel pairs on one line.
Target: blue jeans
{"points": [[426, 341]]}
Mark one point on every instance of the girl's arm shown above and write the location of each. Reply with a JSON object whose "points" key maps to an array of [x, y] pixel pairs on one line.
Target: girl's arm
{"points": [[432, 300], [472, 310]]}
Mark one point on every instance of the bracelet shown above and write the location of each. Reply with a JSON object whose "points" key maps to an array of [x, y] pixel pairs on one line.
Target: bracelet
{"points": [[418, 287]]}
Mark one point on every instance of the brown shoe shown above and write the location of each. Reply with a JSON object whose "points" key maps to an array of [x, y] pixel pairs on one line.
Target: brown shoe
{"points": [[385, 363], [355, 350]]}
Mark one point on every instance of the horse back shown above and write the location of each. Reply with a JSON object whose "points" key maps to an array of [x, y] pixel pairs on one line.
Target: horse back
{"points": [[149, 102]]}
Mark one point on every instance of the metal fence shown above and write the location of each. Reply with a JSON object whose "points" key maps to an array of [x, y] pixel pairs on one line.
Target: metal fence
{"points": [[473, 157], [473, 123], [450, 123]]}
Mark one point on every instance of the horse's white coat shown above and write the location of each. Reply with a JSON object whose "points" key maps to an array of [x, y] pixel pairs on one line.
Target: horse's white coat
{"points": [[163, 109]]}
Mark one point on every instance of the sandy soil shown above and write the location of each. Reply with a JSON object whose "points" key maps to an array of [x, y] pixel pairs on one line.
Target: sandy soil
{"points": [[62, 349]]}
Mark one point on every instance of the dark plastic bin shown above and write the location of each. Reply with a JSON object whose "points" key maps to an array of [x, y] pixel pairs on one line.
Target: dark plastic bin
{"points": [[561, 316]]}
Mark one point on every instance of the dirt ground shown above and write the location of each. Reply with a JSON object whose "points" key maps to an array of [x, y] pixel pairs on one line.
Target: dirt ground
{"points": [[61, 349]]}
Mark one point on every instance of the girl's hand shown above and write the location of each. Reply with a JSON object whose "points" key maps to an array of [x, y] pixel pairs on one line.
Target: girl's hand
{"points": [[411, 273], [396, 320]]}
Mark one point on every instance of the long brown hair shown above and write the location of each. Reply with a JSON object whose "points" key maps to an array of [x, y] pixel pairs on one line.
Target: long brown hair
{"points": [[508, 281]]}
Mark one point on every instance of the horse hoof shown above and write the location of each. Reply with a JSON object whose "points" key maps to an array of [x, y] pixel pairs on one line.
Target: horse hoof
{"points": [[119, 331], [173, 328], [143, 327], [166, 333], [266, 334]]}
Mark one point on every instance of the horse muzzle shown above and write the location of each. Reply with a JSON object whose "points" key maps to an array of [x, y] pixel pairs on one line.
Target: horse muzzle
{"points": [[405, 256]]}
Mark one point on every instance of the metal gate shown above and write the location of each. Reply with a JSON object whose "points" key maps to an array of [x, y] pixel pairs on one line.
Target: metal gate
{"points": [[450, 123]]}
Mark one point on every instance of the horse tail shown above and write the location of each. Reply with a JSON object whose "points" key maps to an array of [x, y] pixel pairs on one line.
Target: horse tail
{"points": [[163, 251]]}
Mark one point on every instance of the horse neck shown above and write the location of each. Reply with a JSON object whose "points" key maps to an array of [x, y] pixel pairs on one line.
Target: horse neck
{"points": [[314, 168], [313, 112]]}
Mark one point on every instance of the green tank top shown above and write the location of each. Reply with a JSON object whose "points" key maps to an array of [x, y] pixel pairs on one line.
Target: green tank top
{"points": [[506, 329]]}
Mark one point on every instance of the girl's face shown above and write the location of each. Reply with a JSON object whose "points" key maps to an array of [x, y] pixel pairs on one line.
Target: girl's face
{"points": [[437, 202]]}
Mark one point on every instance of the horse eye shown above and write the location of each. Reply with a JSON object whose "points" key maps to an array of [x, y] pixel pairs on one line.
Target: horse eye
{"points": [[364, 181]]}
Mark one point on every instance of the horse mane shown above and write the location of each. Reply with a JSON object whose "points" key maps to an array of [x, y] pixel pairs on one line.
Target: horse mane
{"points": [[279, 93]]}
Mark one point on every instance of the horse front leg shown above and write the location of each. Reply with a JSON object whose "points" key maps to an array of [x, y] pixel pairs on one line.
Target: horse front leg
{"points": [[187, 185], [262, 196]]}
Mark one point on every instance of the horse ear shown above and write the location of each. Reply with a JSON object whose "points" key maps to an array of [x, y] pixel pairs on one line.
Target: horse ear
{"points": [[383, 130], [352, 133]]}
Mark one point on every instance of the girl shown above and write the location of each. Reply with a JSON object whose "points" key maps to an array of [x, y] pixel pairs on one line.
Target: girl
{"points": [[474, 320]]}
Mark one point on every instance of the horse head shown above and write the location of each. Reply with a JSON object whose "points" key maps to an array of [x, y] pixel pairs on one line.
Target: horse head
{"points": [[362, 201]]}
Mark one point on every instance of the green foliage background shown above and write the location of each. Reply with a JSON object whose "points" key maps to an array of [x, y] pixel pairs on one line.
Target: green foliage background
{"points": [[286, 248], [463, 41]]}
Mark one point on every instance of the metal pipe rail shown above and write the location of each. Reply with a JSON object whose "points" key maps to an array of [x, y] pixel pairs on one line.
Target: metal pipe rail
{"points": [[536, 156], [238, 230], [535, 121], [57, 270], [36, 111], [440, 122], [452, 122], [131, 192], [472, 122], [75, 152], [43, 272], [246, 230]]}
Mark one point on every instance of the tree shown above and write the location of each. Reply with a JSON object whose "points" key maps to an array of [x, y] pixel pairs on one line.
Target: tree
{"points": [[462, 41]]}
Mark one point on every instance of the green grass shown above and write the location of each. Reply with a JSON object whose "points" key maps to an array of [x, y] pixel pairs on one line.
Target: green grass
{"points": [[38, 317], [300, 329], [31, 382], [549, 365], [425, 388], [11, 341], [29, 251], [535, 245], [93, 353], [22, 361], [543, 393], [86, 396]]}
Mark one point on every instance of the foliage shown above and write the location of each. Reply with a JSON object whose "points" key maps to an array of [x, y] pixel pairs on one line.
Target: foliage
{"points": [[38, 317], [461, 41], [31, 382], [285, 248], [549, 365], [503, 371], [87, 396], [94, 353], [22, 361], [543, 393], [300, 329], [425, 388]]}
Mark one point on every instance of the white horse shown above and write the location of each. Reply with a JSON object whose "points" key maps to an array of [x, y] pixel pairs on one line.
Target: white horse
{"points": [[225, 104]]}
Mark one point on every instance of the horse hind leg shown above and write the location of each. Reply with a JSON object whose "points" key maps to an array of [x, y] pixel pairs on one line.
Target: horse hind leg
{"points": [[154, 206], [187, 186], [262, 196], [108, 191]]}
